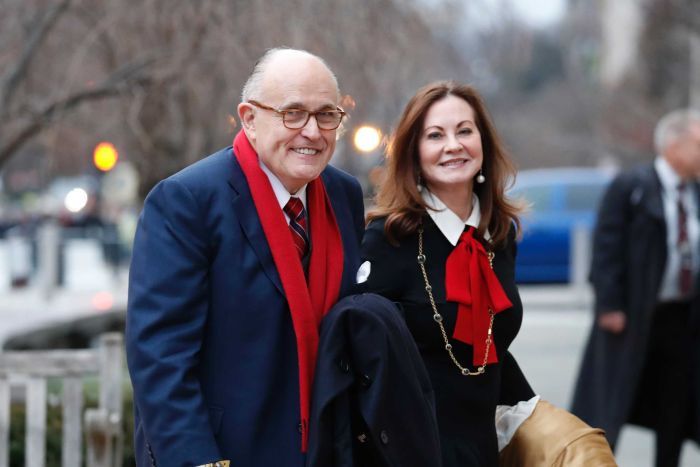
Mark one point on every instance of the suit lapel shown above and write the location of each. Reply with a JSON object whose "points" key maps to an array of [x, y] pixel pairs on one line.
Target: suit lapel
{"points": [[654, 202], [247, 216]]}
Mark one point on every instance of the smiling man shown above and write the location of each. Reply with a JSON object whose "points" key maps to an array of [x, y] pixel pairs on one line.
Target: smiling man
{"points": [[236, 260]]}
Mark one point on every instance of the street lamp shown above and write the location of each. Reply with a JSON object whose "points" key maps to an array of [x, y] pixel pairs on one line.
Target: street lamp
{"points": [[76, 200], [367, 138]]}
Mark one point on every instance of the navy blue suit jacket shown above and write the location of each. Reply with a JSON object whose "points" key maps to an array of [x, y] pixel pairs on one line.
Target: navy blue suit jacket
{"points": [[210, 343]]}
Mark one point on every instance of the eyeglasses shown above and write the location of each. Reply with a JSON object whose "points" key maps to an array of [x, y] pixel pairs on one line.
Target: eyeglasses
{"points": [[295, 119]]}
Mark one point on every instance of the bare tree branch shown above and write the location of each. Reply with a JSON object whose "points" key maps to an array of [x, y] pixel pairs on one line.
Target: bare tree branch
{"points": [[204, 51], [40, 30], [112, 86]]}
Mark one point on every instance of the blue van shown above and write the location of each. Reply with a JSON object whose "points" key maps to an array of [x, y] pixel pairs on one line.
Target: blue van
{"points": [[559, 199]]}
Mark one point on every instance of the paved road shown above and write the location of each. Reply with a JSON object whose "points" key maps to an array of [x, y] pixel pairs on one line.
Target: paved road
{"points": [[549, 348]]}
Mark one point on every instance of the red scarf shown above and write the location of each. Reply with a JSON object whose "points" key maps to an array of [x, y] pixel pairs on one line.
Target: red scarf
{"points": [[306, 304], [470, 281]]}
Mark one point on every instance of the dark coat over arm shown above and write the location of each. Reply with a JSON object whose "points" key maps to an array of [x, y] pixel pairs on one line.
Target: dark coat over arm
{"points": [[465, 405], [373, 404]]}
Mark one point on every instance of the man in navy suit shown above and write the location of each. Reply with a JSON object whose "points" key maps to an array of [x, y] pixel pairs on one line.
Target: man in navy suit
{"points": [[236, 260]]}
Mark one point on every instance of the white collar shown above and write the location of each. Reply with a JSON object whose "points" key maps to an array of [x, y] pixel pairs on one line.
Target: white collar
{"points": [[281, 192], [669, 178], [447, 221]]}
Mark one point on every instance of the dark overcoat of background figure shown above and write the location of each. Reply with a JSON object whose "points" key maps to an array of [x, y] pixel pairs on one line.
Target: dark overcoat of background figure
{"points": [[612, 364], [642, 372]]}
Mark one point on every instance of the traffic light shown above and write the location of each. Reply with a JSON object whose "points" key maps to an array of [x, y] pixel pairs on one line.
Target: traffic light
{"points": [[105, 156]]}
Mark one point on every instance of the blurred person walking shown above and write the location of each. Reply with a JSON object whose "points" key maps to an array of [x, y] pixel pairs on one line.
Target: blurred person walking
{"points": [[235, 261], [642, 361]]}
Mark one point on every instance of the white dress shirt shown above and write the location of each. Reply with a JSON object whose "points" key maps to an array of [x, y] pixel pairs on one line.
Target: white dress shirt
{"points": [[281, 192], [670, 284]]}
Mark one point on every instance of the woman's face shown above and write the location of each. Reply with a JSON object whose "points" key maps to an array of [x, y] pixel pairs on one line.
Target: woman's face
{"points": [[449, 147]]}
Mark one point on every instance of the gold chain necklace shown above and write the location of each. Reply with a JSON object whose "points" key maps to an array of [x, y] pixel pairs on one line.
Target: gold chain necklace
{"points": [[437, 317]]}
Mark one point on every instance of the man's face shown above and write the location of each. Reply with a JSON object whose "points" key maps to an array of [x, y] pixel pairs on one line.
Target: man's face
{"points": [[684, 153], [295, 156]]}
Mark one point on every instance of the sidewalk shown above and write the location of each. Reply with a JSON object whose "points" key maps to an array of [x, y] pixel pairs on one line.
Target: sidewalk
{"points": [[27, 309], [556, 297]]}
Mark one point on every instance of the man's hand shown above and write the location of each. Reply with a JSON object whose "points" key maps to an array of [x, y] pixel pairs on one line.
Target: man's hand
{"points": [[612, 321]]}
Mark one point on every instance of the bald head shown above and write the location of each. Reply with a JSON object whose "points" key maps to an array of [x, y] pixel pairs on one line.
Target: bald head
{"points": [[284, 82], [276, 64]]}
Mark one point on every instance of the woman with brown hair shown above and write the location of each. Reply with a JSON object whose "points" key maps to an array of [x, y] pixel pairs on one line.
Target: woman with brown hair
{"points": [[441, 244]]}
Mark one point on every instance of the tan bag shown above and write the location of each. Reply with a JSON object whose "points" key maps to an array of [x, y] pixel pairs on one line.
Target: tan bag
{"points": [[555, 437]]}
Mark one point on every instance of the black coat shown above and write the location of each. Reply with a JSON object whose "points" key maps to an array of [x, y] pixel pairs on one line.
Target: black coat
{"points": [[629, 257], [372, 401], [465, 406]]}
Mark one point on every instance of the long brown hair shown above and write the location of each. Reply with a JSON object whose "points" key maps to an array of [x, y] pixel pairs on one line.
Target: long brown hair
{"points": [[398, 198]]}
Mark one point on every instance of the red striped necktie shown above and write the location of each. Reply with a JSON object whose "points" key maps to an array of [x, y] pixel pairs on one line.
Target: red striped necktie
{"points": [[297, 225], [686, 270]]}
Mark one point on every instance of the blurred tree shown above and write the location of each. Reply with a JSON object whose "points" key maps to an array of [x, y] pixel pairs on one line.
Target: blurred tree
{"points": [[161, 78], [173, 69], [659, 77], [540, 86], [34, 91]]}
